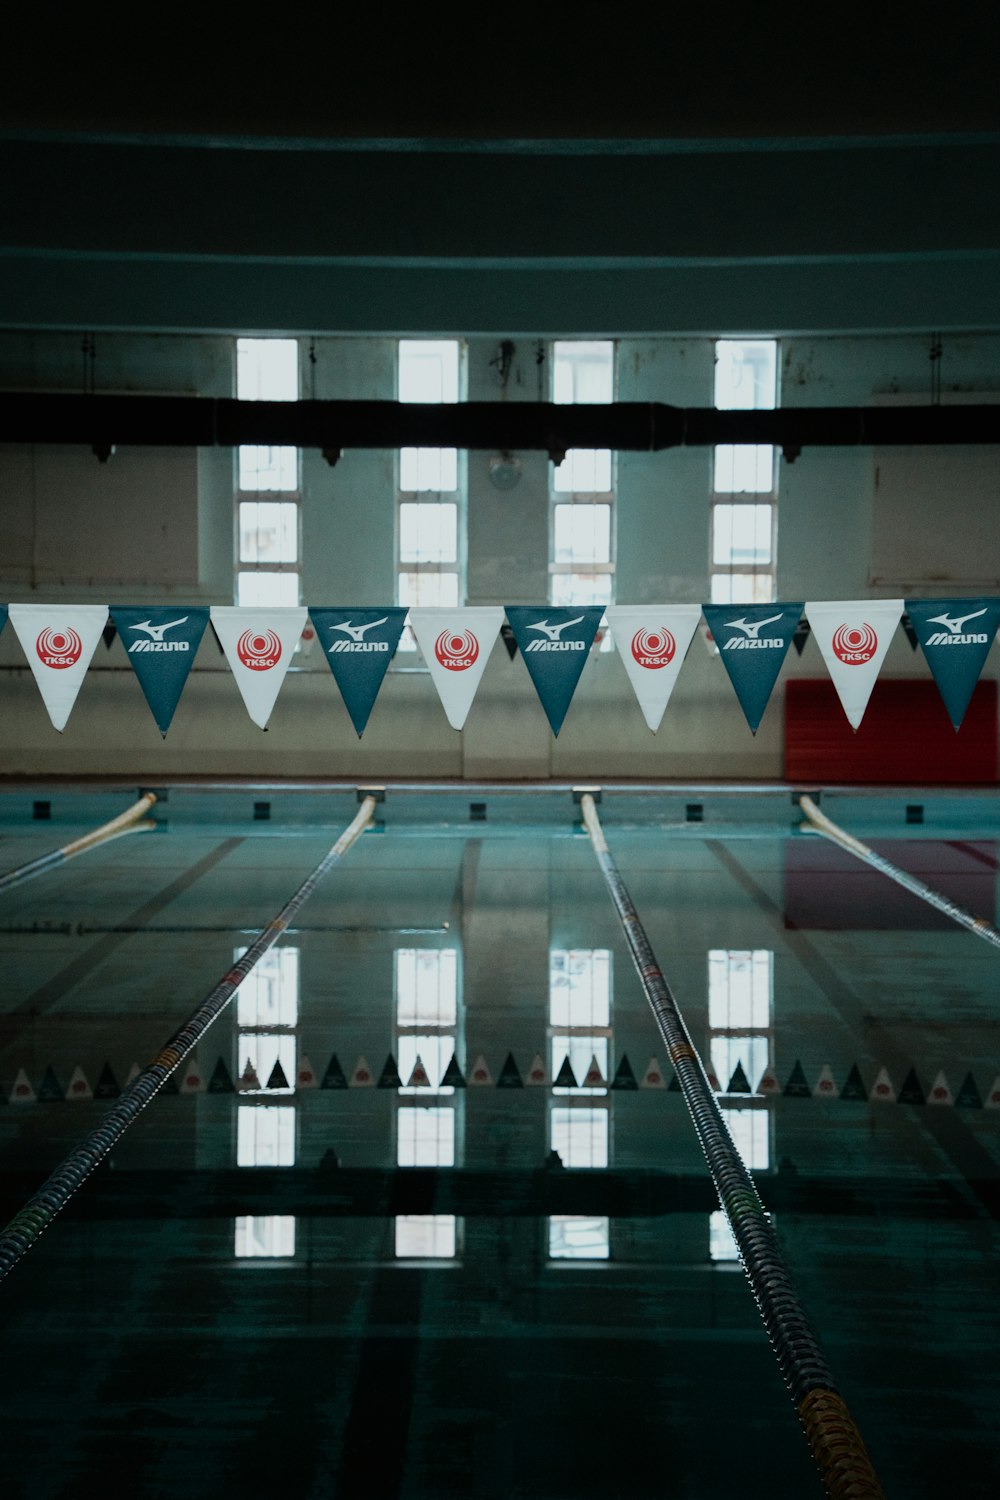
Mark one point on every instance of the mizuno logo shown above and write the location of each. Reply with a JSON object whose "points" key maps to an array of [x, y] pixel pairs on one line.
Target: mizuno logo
{"points": [[356, 632], [752, 628], [554, 641], [955, 625], [155, 632]]}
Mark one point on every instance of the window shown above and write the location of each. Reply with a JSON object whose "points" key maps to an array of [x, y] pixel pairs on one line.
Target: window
{"points": [[267, 485], [428, 521], [267, 1013], [580, 1030], [744, 531], [426, 1003], [740, 1006], [581, 569]]}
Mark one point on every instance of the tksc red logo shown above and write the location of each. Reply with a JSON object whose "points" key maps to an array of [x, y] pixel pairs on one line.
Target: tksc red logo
{"points": [[854, 644], [653, 648], [456, 649], [260, 650], [59, 648]]}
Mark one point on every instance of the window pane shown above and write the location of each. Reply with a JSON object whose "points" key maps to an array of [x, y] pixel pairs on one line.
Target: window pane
{"points": [[740, 983], [579, 1050], [746, 374], [428, 533], [752, 1052], [269, 996], [425, 1236], [573, 1237], [582, 533], [581, 1136], [261, 590], [267, 1234], [721, 1245], [749, 1130], [426, 986], [428, 590], [267, 369], [263, 1052], [583, 370], [584, 471], [742, 588], [433, 469], [744, 468], [581, 588], [428, 370], [580, 987], [269, 531], [434, 1051], [741, 534], [263, 468], [426, 1137], [265, 1135]]}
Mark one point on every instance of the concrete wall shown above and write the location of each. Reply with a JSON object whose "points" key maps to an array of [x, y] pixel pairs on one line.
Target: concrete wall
{"points": [[158, 527]]}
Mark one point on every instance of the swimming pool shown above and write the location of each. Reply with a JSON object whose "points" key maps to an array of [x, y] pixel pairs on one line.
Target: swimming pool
{"points": [[332, 1318]]}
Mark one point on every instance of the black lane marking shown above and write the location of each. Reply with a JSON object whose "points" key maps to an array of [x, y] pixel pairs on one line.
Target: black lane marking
{"points": [[989, 860], [970, 1160], [55, 988]]}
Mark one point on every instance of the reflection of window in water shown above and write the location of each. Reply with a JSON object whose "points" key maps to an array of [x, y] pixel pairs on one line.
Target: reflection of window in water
{"points": [[426, 1011], [267, 1013], [579, 1029], [740, 1019]]}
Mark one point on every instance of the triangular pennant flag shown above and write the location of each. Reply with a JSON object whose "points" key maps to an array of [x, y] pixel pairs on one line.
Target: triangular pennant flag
{"points": [[797, 1086], [968, 1095], [882, 1090], [906, 625], [389, 1077], [363, 1077], [624, 1077], [955, 636], [537, 1075], [305, 1074], [108, 635], [106, 1086], [22, 1090], [739, 1083], [594, 1078], [193, 1081], [248, 1079], [652, 642], [940, 1091], [801, 635], [59, 640], [78, 1087], [753, 641], [566, 1078], [358, 645], [3, 617], [912, 1091], [50, 1090], [510, 1078], [653, 1077], [277, 1078], [161, 644], [220, 1081], [419, 1077], [453, 1078], [854, 1087], [554, 642], [825, 1086], [456, 644], [992, 1100], [854, 636], [674, 1086], [479, 1073], [768, 1082], [334, 1077], [258, 644], [506, 635]]}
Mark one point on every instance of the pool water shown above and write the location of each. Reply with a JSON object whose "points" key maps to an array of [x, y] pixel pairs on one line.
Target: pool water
{"points": [[380, 1291]]}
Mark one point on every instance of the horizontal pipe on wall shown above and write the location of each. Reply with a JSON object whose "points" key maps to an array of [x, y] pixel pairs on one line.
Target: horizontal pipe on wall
{"points": [[103, 421]]}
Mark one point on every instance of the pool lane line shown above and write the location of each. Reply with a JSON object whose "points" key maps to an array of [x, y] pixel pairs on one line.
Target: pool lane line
{"points": [[818, 822], [126, 822], [27, 1225], [836, 1445]]}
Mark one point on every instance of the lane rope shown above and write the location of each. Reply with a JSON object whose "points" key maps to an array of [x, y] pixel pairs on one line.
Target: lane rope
{"points": [[819, 823], [28, 1223], [126, 822], [836, 1445]]}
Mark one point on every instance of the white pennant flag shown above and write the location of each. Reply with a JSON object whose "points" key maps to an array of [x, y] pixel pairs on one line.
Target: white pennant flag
{"points": [[652, 641], [258, 644], [59, 641], [456, 644], [854, 636]]}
